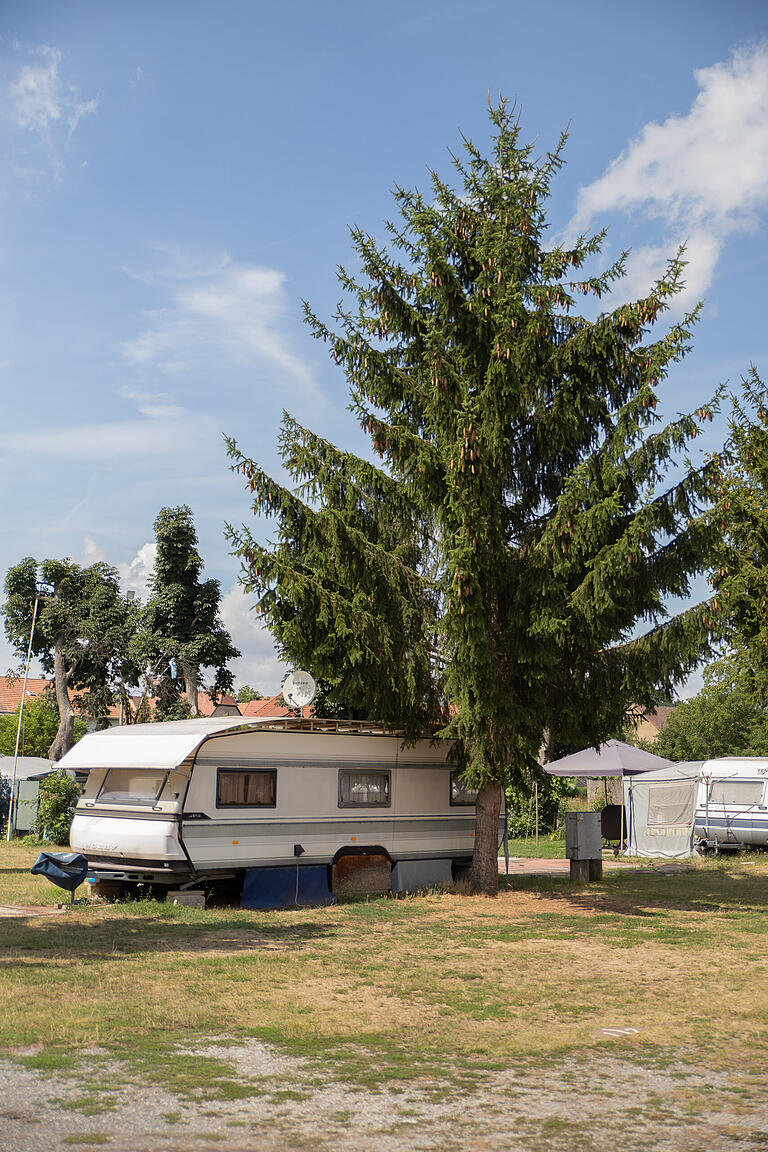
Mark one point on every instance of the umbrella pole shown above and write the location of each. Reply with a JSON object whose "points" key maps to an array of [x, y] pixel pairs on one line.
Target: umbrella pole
{"points": [[536, 786]]}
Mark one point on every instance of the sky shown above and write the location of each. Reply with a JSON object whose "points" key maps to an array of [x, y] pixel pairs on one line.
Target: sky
{"points": [[176, 178]]}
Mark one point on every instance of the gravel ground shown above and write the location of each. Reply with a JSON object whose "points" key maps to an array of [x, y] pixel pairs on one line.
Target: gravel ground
{"points": [[605, 1100]]}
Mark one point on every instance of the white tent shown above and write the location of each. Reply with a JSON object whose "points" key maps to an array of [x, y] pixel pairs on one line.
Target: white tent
{"points": [[614, 758], [661, 809]]}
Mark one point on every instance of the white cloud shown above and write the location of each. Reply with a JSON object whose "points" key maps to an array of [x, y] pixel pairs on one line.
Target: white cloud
{"points": [[92, 552], [136, 573], [217, 311], [40, 102], [646, 264], [703, 175], [153, 404], [258, 665], [117, 441]]}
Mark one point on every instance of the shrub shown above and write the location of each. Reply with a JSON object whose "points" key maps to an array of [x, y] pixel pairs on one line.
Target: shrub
{"points": [[58, 796]]}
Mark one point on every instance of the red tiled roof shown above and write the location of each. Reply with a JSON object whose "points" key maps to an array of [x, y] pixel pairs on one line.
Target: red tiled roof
{"points": [[659, 718], [271, 706], [10, 690], [205, 705]]}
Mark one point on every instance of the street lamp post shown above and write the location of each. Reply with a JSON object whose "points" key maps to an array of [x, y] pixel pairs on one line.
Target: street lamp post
{"points": [[13, 804]]}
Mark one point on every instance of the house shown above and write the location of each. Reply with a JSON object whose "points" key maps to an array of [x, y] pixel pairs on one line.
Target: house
{"points": [[647, 725], [272, 706], [11, 688]]}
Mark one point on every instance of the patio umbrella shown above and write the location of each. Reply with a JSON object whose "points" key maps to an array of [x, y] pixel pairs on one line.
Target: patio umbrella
{"points": [[614, 758]]}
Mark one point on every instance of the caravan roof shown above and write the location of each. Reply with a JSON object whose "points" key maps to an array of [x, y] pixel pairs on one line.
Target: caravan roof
{"points": [[168, 744]]}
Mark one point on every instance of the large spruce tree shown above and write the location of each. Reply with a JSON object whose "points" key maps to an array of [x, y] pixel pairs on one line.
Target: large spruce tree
{"points": [[740, 517], [487, 580]]}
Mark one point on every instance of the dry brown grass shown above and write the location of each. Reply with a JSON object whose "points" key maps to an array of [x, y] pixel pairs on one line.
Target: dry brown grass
{"points": [[536, 973]]}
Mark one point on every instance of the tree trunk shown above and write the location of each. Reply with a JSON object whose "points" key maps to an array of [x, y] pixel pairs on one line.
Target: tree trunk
{"points": [[484, 873], [189, 672], [65, 737]]}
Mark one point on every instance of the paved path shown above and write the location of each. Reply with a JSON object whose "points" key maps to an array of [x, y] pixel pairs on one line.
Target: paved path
{"points": [[528, 866]]}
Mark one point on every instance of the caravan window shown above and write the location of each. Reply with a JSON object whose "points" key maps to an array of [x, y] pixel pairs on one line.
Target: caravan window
{"points": [[459, 793], [741, 793], [363, 789], [241, 788], [132, 786]]}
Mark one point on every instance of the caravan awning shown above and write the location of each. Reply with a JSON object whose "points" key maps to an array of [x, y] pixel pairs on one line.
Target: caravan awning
{"points": [[150, 745], [614, 758]]}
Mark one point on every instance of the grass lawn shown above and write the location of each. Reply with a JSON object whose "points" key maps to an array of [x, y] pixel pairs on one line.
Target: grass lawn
{"points": [[548, 848], [439, 991]]}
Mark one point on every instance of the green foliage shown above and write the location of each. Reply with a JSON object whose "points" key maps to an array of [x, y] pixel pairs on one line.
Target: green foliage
{"points": [[181, 618], [521, 801], [58, 796], [82, 634], [487, 578], [39, 727], [246, 693], [722, 720], [740, 578]]}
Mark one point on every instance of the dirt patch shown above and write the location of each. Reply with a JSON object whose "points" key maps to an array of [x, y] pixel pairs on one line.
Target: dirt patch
{"points": [[579, 1104], [12, 910]]}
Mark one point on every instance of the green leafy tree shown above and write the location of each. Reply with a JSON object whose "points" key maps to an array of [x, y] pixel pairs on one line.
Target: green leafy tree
{"points": [[487, 579], [58, 796], [181, 626], [40, 724], [246, 693], [723, 719], [83, 634]]}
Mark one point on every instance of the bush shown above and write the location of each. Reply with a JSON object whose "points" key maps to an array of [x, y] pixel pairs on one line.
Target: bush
{"points": [[58, 796], [39, 727]]}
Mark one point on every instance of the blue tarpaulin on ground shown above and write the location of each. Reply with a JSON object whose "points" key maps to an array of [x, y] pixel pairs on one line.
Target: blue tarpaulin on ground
{"points": [[65, 869], [305, 884]]}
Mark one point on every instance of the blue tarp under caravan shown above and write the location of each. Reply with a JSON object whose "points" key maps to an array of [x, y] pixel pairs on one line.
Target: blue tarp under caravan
{"points": [[304, 884], [661, 810]]}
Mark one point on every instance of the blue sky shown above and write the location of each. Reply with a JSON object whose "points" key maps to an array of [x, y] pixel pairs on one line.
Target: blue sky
{"points": [[176, 177]]}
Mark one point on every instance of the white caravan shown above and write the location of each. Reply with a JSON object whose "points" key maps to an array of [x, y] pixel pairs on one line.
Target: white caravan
{"points": [[712, 805], [732, 802], [193, 801]]}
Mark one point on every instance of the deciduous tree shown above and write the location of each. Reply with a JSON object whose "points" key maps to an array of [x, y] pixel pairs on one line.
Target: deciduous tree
{"points": [[82, 634], [181, 625]]}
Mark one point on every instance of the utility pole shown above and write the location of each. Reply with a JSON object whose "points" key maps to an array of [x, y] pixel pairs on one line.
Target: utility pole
{"points": [[13, 805]]}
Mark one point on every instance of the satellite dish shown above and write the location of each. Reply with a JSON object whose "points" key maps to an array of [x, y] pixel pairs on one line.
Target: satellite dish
{"points": [[299, 689]]}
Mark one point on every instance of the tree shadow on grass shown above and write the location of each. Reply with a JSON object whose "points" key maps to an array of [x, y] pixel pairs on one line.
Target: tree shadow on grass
{"points": [[725, 888], [70, 938]]}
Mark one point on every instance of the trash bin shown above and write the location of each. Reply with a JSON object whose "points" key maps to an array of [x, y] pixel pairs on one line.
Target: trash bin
{"points": [[583, 845]]}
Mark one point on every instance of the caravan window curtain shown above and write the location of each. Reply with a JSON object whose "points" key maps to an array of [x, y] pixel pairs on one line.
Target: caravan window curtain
{"points": [[244, 789], [669, 804], [740, 793], [363, 789]]}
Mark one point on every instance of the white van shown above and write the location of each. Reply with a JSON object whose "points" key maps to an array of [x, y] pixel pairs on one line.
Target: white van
{"points": [[193, 801]]}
